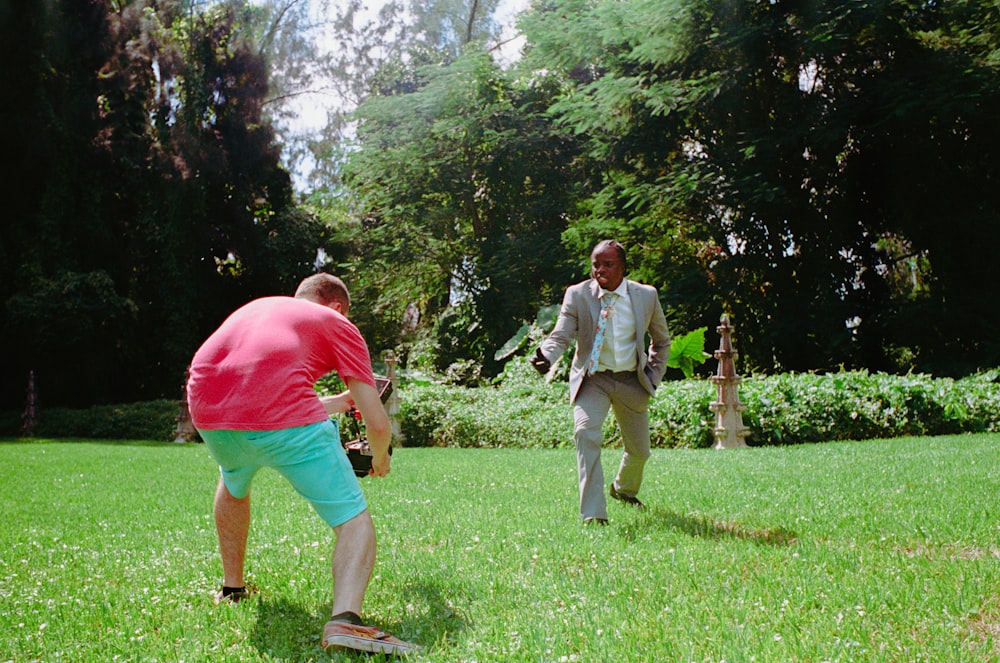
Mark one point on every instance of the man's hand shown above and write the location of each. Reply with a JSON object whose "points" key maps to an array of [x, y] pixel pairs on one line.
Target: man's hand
{"points": [[338, 404], [368, 402], [380, 464], [541, 364]]}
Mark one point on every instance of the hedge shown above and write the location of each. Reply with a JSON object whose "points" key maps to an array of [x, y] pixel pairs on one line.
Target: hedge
{"points": [[525, 410], [781, 409], [149, 420]]}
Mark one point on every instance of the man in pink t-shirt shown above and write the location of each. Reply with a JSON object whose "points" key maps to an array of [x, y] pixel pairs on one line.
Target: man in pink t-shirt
{"points": [[251, 396]]}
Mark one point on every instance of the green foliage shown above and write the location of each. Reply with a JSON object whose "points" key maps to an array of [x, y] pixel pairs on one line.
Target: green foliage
{"points": [[150, 201], [524, 410], [792, 409], [688, 351], [458, 336], [545, 320], [11, 423], [375, 54], [786, 162], [330, 384], [818, 169], [679, 415], [77, 315], [449, 176], [514, 344], [152, 420]]}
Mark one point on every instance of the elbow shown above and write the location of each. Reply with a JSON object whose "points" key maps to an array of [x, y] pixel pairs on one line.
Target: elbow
{"points": [[378, 425]]}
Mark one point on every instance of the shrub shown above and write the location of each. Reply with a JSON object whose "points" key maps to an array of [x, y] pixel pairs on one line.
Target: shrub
{"points": [[151, 420], [522, 409], [10, 423], [797, 408], [525, 410], [680, 416]]}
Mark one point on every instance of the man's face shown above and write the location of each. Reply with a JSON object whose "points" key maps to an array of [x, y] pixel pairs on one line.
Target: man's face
{"points": [[606, 268]]}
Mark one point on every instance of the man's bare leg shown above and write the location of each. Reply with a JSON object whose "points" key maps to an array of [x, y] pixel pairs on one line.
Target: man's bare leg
{"points": [[353, 563], [232, 523]]}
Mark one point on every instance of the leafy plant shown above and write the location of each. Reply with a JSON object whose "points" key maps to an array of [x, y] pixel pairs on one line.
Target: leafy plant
{"points": [[687, 351], [148, 420], [523, 409]]}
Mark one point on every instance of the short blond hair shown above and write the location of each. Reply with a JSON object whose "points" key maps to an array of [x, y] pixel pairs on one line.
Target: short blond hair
{"points": [[324, 289]]}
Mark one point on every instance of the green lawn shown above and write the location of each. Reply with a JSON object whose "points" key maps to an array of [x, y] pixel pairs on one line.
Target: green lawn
{"points": [[873, 551]]}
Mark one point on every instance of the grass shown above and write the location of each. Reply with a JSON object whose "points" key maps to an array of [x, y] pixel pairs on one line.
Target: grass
{"points": [[863, 551]]}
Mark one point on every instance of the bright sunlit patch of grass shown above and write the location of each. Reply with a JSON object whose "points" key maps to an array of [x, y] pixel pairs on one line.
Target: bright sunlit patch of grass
{"points": [[871, 551]]}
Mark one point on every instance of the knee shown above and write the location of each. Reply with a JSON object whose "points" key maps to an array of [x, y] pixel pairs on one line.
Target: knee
{"points": [[224, 496], [588, 436], [637, 449], [640, 455], [360, 525]]}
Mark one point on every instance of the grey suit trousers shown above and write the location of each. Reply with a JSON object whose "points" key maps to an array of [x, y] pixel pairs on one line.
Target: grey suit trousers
{"points": [[598, 394]]}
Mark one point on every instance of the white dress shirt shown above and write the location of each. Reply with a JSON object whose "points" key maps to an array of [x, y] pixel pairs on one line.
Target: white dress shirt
{"points": [[618, 351]]}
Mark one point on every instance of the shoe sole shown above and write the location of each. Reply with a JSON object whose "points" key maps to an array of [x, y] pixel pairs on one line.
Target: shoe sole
{"points": [[627, 501], [367, 645]]}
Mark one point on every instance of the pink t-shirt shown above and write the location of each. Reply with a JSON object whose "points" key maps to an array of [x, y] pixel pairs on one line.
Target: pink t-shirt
{"points": [[257, 371]]}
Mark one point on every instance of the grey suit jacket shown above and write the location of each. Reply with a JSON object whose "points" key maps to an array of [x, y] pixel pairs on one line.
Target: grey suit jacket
{"points": [[577, 321]]}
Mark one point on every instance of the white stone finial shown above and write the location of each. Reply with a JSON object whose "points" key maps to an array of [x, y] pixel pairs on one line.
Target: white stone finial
{"points": [[730, 433]]}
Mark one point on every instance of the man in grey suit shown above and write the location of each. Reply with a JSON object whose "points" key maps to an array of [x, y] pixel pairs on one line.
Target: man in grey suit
{"points": [[609, 318]]}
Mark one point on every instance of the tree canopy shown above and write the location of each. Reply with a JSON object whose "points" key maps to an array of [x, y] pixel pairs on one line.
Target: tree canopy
{"points": [[148, 200], [818, 171], [786, 164], [814, 169], [450, 177]]}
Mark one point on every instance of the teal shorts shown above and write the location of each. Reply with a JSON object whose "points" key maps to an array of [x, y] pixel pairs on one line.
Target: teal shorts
{"points": [[310, 457]]}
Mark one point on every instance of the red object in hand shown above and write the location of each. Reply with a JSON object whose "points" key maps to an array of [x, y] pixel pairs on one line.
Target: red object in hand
{"points": [[359, 452]]}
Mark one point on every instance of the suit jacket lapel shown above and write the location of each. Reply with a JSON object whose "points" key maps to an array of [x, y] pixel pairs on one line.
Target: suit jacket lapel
{"points": [[593, 307], [638, 311]]}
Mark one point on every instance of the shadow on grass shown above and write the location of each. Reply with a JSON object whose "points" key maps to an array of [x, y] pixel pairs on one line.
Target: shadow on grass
{"points": [[288, 632], [437, 619], [704, 527]]}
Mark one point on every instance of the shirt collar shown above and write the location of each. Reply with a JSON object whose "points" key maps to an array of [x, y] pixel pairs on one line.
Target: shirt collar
{"points": [[621, 290]]}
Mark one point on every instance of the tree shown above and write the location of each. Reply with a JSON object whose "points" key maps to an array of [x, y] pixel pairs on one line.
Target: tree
{"points": [[783, 163], [61, 315], [155, 203], [467, 180], [331, 56]]}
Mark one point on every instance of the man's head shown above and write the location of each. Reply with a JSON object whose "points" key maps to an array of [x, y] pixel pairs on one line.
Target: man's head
{"points": [[608, 264], [325, 289]]}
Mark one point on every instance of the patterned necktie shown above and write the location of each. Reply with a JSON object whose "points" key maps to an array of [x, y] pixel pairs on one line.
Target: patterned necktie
{"points": [[602, 323]]}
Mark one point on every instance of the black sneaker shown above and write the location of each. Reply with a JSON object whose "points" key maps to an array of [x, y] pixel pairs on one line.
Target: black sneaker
{"points": [[632, 501], [595, 521], [232, 595]]}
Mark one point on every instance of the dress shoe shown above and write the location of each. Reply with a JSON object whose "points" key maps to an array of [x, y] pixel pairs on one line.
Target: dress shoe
{"points": [[632, 501]]}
